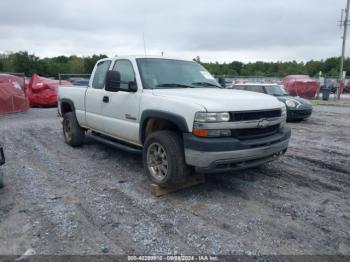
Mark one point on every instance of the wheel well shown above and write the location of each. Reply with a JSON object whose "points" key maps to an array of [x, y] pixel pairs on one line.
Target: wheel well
{"points": [[65, 108], [156, 124]]}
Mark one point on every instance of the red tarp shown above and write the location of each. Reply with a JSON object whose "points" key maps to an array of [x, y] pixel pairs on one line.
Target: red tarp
{"points": [[301, 85], [43, 91], [12, 94]]}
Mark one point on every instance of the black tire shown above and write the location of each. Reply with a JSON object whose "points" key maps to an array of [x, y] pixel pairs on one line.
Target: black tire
{"points": [[1, 178], [172, 145], [73, 134]]}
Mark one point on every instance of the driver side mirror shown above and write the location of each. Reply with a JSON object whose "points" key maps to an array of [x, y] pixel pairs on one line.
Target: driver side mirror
{"points": [[222, 81], [114, 84], [132, 86], [112, 81]]}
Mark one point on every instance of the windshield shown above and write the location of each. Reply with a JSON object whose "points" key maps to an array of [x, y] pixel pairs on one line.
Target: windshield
{"points": [[167, 73], [276, 90]]}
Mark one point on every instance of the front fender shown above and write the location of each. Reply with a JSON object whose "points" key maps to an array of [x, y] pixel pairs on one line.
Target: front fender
{"points": [[178, 120]]}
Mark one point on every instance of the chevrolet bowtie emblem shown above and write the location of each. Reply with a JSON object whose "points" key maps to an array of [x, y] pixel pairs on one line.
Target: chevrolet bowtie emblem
{"points": [[263, 123]]}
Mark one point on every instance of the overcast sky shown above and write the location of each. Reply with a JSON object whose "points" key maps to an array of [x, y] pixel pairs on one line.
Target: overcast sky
{"points": [[215, 30]]}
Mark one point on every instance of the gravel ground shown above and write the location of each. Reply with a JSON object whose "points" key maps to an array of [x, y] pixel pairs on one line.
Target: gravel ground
{"points": [[96, 199]]}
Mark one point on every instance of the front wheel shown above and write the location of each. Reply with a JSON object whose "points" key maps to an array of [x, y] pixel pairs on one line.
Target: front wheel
{"points": [[73, 134], [163, 158]]}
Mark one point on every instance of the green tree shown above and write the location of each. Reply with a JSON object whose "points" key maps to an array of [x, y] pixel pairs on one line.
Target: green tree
{"points": [[331, 64], [22, 61], [90, 61]]}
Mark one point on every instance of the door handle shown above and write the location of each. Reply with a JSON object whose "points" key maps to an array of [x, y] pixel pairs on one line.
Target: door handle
{"points": [[105, 99]]}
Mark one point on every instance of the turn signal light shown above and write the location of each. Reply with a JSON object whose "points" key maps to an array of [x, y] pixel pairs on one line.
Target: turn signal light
{"points": [[200, 132], [212, 132]]}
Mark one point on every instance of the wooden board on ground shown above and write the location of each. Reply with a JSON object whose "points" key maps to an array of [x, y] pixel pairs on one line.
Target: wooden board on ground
{"points": [[191, 181]]}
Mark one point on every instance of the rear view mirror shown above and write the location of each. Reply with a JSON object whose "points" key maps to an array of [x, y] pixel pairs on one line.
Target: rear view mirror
{"points": [[132, 86], [222, 82], [112, 81]]}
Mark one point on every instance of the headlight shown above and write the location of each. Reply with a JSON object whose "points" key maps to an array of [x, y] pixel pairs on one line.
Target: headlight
{"points": [[284, 110], [205, 117], [292, 103]]}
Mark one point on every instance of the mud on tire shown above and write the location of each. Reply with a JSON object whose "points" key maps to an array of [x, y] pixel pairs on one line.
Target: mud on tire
{"points": [[73, 134], [164, 160]]}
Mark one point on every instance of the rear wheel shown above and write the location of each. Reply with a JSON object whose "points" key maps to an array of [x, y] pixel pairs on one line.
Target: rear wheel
{"points": [[163, 158], [73, 134]]}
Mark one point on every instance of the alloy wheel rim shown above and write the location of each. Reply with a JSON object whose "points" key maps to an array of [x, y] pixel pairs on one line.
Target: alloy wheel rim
{"points": [[67, 129], [157, 161]]}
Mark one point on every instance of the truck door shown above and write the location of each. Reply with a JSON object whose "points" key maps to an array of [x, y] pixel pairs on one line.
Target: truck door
{"points": [[95, 96], [121, 112]]}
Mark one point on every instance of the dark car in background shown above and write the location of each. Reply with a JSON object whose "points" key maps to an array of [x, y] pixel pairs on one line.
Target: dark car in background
{"points": [[297, 108], [2, 161], [80, 82]]}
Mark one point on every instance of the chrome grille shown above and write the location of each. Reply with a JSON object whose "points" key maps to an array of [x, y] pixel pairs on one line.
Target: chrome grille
{"points": [[253, 133], [255, 115]]}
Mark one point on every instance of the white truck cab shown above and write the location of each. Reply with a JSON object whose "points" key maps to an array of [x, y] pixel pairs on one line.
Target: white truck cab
{"points": [[176, 113]]}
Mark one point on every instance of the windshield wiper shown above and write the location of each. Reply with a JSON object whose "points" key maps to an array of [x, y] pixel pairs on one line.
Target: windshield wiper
{"points": [[174, 85], [206, 84]]}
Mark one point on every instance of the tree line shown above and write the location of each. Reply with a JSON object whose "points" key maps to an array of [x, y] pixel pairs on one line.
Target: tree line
{"points": [[329, 67], [23, 62]]}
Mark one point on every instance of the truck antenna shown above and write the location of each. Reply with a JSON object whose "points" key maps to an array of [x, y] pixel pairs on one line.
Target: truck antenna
{"points": [[144, 43]]}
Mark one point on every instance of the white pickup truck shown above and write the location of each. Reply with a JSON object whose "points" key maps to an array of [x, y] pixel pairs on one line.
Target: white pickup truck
{"points": [[176, 114]]}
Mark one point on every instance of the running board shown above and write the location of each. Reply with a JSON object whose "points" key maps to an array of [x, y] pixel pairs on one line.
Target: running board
{"points": [[115, 144]]}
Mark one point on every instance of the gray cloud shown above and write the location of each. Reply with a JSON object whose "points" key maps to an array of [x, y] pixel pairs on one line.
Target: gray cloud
{"points": [[222, 30]]}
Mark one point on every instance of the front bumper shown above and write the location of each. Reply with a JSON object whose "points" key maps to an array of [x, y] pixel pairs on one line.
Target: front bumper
{"points": [[215, 155], [2, 157], [302, 112], [299, 114]]}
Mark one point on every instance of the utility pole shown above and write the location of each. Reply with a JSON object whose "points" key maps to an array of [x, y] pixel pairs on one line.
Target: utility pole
{"points": [[344, 23]]}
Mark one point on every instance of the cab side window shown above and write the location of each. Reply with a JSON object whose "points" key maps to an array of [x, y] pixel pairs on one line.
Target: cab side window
{"points": [[126, 71], [258, 89], [100, 74]]}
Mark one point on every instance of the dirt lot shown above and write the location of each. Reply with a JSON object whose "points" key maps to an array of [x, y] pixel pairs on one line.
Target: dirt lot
{"points": [[96, 199]]}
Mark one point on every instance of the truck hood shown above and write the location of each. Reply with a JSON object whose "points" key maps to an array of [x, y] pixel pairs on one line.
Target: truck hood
{"points": [[221, 100]]}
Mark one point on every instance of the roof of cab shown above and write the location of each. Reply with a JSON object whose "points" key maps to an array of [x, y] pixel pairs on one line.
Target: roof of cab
{"points": [[144, 56]]}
